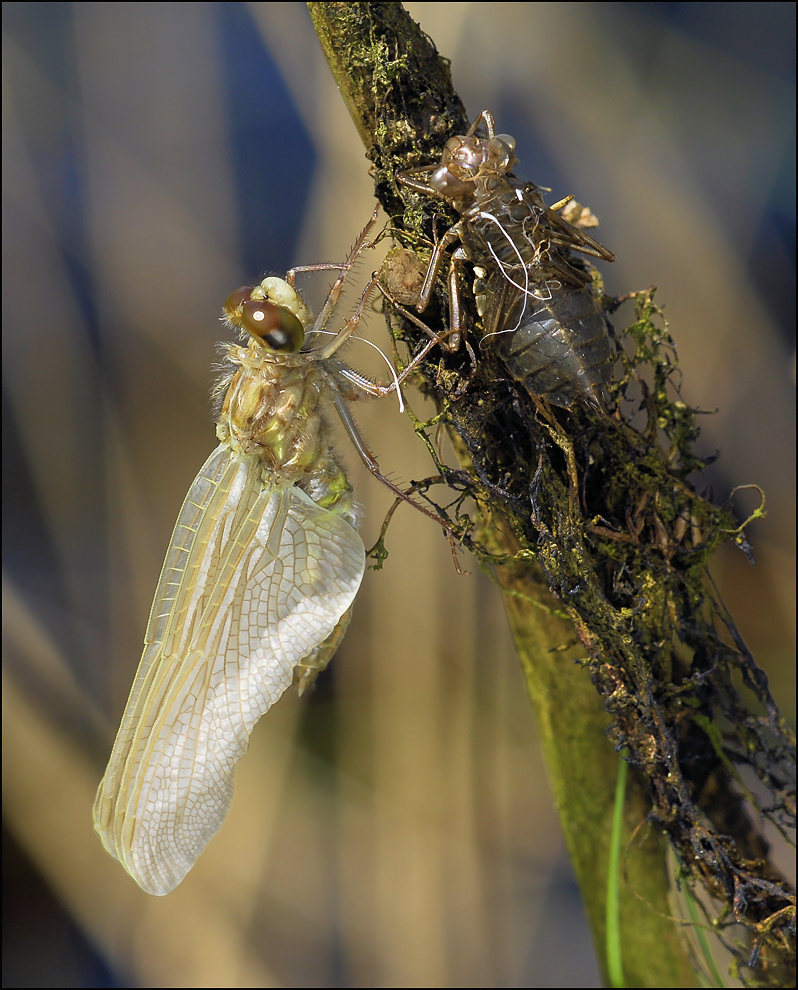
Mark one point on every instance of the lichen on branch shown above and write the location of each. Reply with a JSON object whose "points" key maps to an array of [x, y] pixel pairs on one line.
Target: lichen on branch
{"points": [[601, 510]]}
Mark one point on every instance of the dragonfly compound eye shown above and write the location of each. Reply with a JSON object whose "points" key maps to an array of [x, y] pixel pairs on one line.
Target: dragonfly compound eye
{"points": [[236, 300], [276, 326]]}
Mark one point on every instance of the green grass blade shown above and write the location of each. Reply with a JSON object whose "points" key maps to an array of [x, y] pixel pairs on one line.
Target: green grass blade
{"points": [[614, 960]]}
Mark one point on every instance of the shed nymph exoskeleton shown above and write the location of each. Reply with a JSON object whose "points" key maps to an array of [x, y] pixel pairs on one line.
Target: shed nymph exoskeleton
{"points": [[532, 297]]}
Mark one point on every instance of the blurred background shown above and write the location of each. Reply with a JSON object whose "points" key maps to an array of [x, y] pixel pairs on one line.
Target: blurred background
{"points": [[394, 827]]}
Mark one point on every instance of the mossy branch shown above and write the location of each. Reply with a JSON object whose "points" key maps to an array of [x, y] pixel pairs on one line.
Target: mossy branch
{"points": [[598, 520]]}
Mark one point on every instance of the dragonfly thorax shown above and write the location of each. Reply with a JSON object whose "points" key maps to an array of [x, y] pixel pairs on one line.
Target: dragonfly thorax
{"points": [[279, 413]]}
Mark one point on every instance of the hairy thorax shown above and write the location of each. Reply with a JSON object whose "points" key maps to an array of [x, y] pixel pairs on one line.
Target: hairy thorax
{"points": [[278, 413]]}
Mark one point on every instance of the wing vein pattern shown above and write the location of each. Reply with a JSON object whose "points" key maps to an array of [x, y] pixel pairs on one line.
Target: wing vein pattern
{"points": [[256, 578]]}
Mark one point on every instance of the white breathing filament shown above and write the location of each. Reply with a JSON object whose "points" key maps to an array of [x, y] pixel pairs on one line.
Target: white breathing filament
{"points": [[362, 380], [524, 289]]}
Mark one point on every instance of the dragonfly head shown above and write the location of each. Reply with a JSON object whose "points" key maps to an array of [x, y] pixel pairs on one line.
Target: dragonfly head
{"points": [[272, 313]]}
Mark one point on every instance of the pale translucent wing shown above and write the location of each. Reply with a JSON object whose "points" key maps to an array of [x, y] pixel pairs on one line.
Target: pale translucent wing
{"points": [[255, 579]]}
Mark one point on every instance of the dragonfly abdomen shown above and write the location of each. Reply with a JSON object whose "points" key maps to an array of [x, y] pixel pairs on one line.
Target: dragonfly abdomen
{"points": [[561, 349]]}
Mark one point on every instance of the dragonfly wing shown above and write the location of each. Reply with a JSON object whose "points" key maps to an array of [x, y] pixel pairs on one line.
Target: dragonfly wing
{"points": [[255, 579]]}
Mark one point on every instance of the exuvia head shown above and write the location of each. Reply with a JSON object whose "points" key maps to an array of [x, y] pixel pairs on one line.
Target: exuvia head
{"points": [[467, 158]]}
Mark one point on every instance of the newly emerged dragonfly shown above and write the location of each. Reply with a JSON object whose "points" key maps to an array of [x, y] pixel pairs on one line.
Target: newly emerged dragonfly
{"points": [[550, 333], [257, 586]]}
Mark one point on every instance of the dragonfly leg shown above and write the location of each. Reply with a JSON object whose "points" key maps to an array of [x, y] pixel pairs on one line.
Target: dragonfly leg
{"points": [[452, 235], [372, 464], [344, 268], [456, 328], [450, 340], [407, 178], [486, 118], [435, 339]]}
